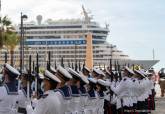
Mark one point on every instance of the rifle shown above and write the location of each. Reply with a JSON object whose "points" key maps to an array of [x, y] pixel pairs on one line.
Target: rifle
{"points": [[62, 62], [55, 65], [79, 66], [48, 62], [72, 66], [76, 65], [37, 75], [119, 71], [29, 78], [5, 57], [110, 65], [116, 72]]}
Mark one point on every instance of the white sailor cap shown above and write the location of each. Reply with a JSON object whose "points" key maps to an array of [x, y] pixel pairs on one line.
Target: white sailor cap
{"points": [[86, 68], [84, 78], [41, 76], [144, 73], [129, 70], [74, 73], [96, 70], [149, 73], [103, 83], [92, 80], [49, 76], [13, 72], [107, 71], [53, 69], [102, 73], [64, 72], [139, 72]]}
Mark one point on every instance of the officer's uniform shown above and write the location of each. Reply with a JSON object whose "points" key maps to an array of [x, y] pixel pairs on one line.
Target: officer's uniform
{"points": [[49, 102], [9, 92], [64, 93]]}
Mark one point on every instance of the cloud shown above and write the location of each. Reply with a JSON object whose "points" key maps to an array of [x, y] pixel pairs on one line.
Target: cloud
{"points": [[136, 26]]}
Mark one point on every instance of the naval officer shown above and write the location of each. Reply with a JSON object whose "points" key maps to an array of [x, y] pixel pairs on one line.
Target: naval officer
{"points": [[8, 91], [49, 102]]}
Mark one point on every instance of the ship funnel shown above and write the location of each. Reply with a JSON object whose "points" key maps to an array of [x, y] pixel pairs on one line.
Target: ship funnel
{"points": [[39, 19], [89, 51]]}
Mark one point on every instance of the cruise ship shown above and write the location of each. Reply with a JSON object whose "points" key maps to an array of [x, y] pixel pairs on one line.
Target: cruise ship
{"points": [[66, 38]]}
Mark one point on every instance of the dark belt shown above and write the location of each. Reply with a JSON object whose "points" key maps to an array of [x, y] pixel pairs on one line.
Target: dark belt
{"points": [[22, 110]]}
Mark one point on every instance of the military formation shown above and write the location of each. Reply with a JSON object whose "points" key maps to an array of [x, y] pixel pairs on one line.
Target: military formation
{"points": [[65, 90]]}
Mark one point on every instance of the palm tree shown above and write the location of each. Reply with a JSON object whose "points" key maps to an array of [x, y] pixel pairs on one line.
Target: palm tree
{"points": [[11, 41], [5, 26]]}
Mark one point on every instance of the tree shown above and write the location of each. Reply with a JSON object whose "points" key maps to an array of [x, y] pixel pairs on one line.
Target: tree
{"points": [[11, 41], [5, 26]]}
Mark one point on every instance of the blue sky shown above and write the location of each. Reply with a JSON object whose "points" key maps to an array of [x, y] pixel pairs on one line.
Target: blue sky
{"points": [[136, 26]]}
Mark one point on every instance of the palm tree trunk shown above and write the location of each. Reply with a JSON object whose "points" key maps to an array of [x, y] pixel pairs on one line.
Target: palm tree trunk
{"points": [[1, 39], [12, 57]]}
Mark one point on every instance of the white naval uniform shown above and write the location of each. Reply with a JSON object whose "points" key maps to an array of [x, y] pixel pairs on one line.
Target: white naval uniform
{"points": [[8, 100], [48, 104], [64, 96], [123, 92], [134, 90], [100, 103], [90, 107], [83, 99], [141, 91], [74, 106], [22, 99]]}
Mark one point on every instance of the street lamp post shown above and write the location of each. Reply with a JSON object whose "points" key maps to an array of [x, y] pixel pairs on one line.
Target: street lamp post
{"points": [[22, 42]]}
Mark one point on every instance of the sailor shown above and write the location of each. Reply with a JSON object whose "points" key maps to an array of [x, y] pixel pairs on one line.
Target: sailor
{"points": [[95, 73], [141, 104], [134, 93], [152, 95], [63, 90], [113, 96], [75, 93], [52, 70], [86, 71], [92, 97], [123, 92], [22, 98], [107, 94], [49, 102], [149, 89], [83, 92], [8, 91], [101, 88]]}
